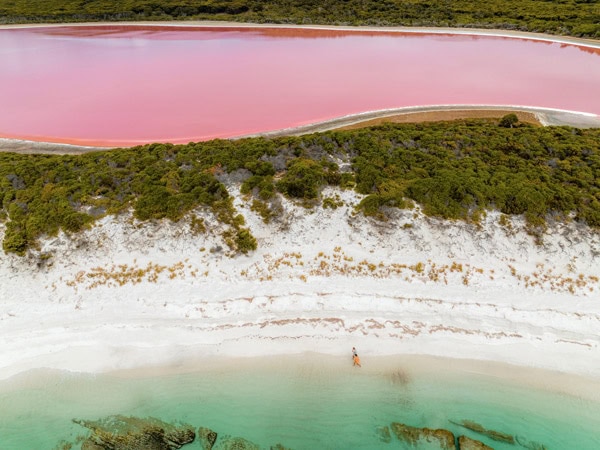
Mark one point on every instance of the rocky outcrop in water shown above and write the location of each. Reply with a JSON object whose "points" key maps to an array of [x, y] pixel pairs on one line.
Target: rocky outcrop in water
{"points": [[132, 433], [424, 438], [235, 443], [466, 443], [207, 438], [208, 441], [477, 428], [89, 445]]}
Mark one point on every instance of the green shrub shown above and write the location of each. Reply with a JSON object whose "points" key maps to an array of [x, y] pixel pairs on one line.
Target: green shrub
{"points": [[244, 240], [575, 17], [262, 183], [453, 169], [333, 202], [303, 179], [15, 240], [509, 120], [197, 225], [262, 209], [75, 221], [260, 168]]}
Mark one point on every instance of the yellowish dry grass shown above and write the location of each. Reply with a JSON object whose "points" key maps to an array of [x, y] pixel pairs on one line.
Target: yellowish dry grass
{"points": [[438, 116]]}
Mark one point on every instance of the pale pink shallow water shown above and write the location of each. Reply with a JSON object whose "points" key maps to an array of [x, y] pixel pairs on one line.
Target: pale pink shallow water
{"points": [[124, 85]]}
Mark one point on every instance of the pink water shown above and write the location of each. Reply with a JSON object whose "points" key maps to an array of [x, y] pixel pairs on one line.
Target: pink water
{"points": [[117, 85]]}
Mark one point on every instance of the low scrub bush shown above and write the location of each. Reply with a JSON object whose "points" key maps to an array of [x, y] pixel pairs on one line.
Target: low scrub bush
{"points": [[574, 17], [453, 170]]}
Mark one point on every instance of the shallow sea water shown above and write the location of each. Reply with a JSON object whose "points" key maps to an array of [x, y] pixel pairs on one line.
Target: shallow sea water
{"points": [[300, 405]]}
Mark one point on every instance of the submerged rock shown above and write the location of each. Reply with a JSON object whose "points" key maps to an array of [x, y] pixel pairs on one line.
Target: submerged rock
{"points": [[207, 438], [531, 445], [477, 428], [384, 434], [63, 445], [424, 438], [466, 443], [89, 445], [235, 443], [133, 433], [399, 377]]}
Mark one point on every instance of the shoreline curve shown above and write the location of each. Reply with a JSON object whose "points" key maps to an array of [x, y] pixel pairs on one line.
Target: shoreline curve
{"points": [[586, 42], [546, 116]]}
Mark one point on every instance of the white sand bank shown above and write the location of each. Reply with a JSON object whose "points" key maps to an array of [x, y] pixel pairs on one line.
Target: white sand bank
{"points": [[123, 296]]}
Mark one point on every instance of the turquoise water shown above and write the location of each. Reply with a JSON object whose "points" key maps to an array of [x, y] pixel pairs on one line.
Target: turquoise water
{"points": [[302, 406]]}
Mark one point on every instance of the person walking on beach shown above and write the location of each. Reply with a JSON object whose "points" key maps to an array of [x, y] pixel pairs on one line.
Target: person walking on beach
{"points": [[355, 357]]}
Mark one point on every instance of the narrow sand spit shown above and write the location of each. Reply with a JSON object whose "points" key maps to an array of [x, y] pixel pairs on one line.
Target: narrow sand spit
{"points": [[543, 116]]}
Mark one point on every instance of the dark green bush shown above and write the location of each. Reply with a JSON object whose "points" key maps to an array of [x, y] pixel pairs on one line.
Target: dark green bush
{"points": [[260, 168], [263, 185], [509, 120], [303, 179], [245, 241], [15, 240], [75, 221], [452, 169], [574, 17]]}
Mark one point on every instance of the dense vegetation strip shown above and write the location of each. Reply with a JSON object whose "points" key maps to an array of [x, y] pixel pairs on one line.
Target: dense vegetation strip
{"points": [[454, 170], [566, 17]]}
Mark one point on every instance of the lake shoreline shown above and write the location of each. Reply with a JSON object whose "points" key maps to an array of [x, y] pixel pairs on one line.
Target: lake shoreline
{"points": [[410, 114], [593, 43]]}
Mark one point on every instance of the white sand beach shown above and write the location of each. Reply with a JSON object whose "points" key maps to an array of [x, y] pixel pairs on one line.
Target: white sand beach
{"points": [[125, 296], [184, 328]]}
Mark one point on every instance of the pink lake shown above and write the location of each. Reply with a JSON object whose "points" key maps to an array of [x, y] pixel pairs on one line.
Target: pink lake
{"points": [[126, 85]]}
